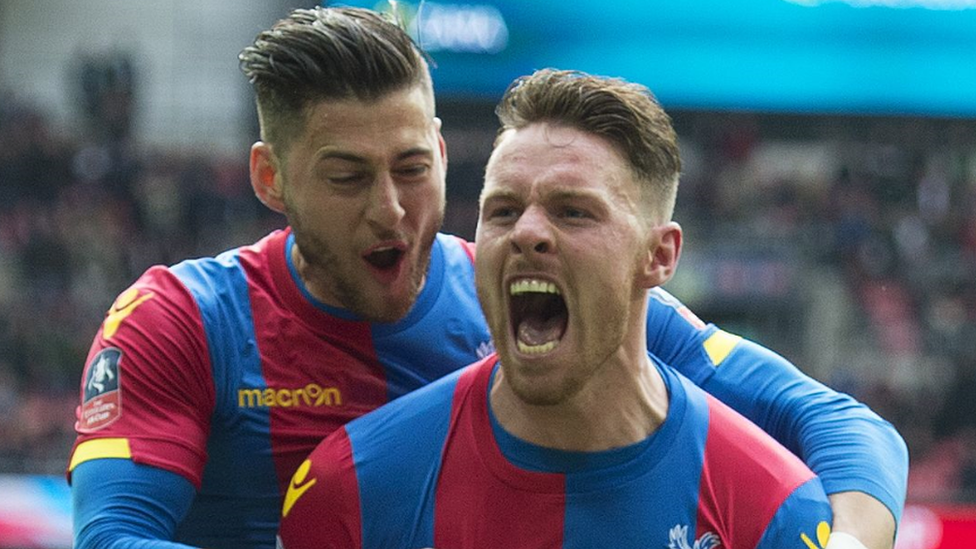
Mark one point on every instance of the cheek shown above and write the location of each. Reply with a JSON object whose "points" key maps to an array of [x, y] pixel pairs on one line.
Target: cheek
{"points": [[607, 295], [424, 202], [483, 282], [488, 282], [329, 216]]}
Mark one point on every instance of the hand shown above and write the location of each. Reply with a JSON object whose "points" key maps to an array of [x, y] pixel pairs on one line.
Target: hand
{"points": [[840, 540], [863, 519]]}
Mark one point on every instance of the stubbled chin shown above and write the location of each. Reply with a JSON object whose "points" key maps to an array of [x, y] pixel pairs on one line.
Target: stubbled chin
{"points": [[534, 386], [389, 307], [393, 296]]}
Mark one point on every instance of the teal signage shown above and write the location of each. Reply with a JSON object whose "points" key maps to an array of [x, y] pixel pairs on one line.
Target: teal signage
{"points": [[838, 56]]}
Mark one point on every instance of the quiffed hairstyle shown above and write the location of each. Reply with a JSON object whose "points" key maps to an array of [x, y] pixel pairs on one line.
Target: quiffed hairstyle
{"points": [[327, 53], [625, 114]]}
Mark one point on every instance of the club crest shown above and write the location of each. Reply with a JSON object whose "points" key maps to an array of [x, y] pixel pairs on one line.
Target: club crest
{"points": [[678, 539]]}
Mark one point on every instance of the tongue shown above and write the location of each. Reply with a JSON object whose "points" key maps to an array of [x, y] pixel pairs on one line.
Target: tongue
{"points": [[537, 331]]}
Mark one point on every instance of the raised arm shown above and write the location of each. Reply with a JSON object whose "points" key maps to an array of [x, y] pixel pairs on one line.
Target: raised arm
{"points": [[860, 458]]}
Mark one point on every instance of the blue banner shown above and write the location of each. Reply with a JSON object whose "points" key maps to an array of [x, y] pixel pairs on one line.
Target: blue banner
{"points": [[820, 56]]}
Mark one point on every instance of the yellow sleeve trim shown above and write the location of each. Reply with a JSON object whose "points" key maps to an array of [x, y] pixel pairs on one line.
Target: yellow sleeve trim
{"points": [[100, 448], [719, 345]]}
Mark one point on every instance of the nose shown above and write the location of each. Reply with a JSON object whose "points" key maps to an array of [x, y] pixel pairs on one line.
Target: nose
{"points": [[384, 209], [532, 233]]}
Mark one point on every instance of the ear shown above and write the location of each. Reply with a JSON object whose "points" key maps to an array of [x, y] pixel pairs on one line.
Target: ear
{"points": [[664, 250], [265, 178], [440, 141]]}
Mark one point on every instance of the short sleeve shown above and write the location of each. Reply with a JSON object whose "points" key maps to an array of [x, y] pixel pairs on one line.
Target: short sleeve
{"points": [[147, 390]]}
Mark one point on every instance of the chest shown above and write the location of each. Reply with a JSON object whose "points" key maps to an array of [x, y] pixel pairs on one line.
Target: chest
{"points": [[288, 386]]}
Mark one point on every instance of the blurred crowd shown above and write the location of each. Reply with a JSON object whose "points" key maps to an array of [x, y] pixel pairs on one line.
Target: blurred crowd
{"points": [[80, 219], [887, 206], [884, 206]]}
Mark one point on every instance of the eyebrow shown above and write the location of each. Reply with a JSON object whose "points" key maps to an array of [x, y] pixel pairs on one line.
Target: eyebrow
{"points": [[585, 194], [557, 194], [357, 159]]}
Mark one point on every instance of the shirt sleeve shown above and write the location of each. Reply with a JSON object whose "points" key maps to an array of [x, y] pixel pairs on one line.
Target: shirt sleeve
{"points": [[147, 390], [803, 520], [321, 508], [850, 447], [118, 504]]}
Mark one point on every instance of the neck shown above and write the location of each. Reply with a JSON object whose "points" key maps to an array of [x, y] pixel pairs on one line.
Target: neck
{"points": [[310, 279], [624, 404]]}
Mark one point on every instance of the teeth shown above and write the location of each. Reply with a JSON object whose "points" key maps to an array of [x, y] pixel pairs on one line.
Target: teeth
{"points": [[531, 285], [536, 349]]}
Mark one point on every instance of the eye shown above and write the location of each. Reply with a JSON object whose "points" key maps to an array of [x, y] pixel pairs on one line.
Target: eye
{"points": [[347, 180], [413, 173], [569, 212], [500, 213]]}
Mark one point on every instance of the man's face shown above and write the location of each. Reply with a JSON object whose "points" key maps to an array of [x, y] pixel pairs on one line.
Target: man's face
{"points": [[363, 189], [560, 244]]}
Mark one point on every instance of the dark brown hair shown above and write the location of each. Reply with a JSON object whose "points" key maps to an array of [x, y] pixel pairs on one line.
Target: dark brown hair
{"points": [[624, 113], [327, 53]]}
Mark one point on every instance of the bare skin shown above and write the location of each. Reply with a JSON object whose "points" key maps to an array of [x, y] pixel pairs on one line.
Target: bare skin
{"points": [[863, 517], [555, 199]]}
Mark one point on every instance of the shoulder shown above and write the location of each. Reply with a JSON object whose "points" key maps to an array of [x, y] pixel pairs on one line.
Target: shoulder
{"points": [[370, 477], [157, 311], [458, 252], [739, 445], [414, 422], [678, 337], [746, 473], [170, 307], [321, 505], [215, 278], [397, 445], [158, 330], [663, 303]]}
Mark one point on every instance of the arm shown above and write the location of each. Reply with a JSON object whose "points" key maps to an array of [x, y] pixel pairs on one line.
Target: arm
{"points": [[852, 450], [845, 443], [863, 517], [142, 425], [118, 504]]}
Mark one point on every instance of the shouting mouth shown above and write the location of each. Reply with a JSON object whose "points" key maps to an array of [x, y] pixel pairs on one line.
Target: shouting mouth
{"points": [[385, 260], [538, 313]]}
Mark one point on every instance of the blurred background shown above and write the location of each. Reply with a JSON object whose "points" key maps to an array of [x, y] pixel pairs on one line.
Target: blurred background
{"points": [[828, 193]]}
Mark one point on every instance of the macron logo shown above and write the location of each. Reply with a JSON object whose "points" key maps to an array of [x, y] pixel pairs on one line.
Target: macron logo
{"points": [[312, 395]]}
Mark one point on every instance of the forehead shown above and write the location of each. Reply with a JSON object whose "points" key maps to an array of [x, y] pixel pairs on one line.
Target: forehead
{"points": [[400, 120], [548, 155]]}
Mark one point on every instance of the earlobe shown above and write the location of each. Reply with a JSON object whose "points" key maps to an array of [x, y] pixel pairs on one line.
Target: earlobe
{"points": [[662, 255], [264, 176]]}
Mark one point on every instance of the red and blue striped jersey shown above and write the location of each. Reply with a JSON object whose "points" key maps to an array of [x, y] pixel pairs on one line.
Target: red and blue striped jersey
{"points": [[210, 381], [434, 469], [222, 371]]}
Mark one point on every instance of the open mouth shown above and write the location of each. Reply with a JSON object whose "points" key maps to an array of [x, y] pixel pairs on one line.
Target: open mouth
{"points": [[384, 259], [539, 315]]}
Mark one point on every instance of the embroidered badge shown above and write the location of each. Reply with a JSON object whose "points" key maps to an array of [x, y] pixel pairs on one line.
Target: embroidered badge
{"points": [[102, 402], [679, 539]]}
